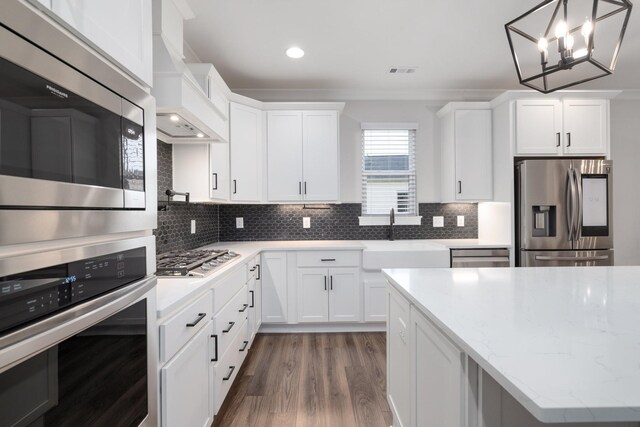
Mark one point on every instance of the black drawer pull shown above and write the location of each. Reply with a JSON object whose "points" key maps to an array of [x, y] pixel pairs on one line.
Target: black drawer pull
{"points": [[215, 348], [228, 377], [331, 282], [244, 347], [252, 269], [244, 308], [327, 259], [253, 299], [226, 331], [195, 322]]}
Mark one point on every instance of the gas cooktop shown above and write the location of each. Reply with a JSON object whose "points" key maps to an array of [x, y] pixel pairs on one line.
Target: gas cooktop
{"points": [[192, 263]]}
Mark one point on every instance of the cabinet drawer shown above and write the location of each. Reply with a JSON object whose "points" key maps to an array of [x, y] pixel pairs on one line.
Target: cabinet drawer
{"points": [[226, 370], [329, 259], [224, 290], [175, 332], [230, 319]]}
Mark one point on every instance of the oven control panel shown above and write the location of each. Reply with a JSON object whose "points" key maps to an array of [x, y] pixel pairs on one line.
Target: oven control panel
{"points": [[29, 296]]}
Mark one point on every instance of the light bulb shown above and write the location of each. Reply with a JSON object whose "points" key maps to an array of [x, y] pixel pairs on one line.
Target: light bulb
{"points": [[295, 52], [174, 118], [543, 44], [200, 135], [570, 41], [561, 29], [580, 53], [587, 28]]}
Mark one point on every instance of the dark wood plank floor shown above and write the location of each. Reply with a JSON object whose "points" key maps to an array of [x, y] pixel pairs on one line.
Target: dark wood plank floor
{"points": [[325, 380]]}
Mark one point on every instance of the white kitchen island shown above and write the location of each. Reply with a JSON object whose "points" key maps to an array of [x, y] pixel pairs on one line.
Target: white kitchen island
{"points": [[514, 347]]}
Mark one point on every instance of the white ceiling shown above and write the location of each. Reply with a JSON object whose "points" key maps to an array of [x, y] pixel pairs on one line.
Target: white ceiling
{"points": [[458, 45]]}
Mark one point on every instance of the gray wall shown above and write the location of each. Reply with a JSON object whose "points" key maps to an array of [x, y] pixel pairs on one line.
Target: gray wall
{"points": [[625, 153]]}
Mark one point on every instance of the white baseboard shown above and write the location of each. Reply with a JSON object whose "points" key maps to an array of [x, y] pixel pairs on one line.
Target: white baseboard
{"points": [[323, 327]]}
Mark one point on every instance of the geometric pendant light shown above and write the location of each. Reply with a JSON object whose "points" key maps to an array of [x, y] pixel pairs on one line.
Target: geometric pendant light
{"points": [[562, 43]]}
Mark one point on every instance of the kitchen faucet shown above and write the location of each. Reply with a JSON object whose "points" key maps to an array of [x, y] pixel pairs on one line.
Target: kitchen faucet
{"points": [[392, 220]]}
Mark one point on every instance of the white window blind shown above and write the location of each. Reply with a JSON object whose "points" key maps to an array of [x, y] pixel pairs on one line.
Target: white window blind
{"points": [[389, 171]]}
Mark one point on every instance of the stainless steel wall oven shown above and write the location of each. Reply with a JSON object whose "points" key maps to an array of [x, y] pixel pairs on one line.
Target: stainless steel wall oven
{"points": [[77, 337], [77, 137]]}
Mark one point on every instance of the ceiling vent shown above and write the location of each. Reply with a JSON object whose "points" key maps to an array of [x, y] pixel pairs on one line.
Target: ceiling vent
{"points": [[402, 70]]}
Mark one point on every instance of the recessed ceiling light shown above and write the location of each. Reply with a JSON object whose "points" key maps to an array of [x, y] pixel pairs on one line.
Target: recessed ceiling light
{"points": [[295, 52], [200, 135], [174, 118]]}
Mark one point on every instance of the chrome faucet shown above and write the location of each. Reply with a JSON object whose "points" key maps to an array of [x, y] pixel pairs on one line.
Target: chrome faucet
{"points": [[392, 220]]}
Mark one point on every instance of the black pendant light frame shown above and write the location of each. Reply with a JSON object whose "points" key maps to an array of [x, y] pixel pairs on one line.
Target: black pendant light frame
{"points": [[567, 62]]}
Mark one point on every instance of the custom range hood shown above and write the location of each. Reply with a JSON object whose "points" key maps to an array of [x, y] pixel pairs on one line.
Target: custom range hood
{"points": [[185, 112]]}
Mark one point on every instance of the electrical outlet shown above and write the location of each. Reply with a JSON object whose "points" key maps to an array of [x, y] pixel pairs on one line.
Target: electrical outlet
{"points": [[240, 222], [460, 220], [193, 226], [438, 221], [306, 222]]}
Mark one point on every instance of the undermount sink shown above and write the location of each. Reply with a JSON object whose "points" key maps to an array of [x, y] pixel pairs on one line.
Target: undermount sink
{"points": [[404, 254]]}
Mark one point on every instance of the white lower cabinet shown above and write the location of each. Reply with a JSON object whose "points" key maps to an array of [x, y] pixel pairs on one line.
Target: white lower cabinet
{"points": [[438, 377], [375, 300], [328, 294], [398, 359], [274, 287], [185, 386], [255, 296]]}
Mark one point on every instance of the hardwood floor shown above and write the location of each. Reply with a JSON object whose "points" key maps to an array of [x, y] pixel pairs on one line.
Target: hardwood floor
{"points": [[324, 380]]}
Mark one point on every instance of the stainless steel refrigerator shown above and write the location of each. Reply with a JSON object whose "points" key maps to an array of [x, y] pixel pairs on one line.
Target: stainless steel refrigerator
{"points": [[564, 212]]}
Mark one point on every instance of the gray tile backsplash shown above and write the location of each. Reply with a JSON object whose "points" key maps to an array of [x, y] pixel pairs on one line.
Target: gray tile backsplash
{"points": [[284, 222], [339, 222]]}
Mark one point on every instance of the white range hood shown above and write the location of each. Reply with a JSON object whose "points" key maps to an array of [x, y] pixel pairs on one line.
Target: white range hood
{"points": [[184, 111]]}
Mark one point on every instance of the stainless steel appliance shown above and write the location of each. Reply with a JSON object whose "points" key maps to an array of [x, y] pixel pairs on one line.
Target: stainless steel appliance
{"points": [[198, 263], [77, 138], [78, 337], [564, 212], [484, 257]]}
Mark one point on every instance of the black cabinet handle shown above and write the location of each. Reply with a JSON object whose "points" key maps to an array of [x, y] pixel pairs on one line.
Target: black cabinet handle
{"points": [[226, 331], [327, 259], [299, 187], [325, 283], [305, 187], [244, 308], [558, 139], [215, 176], [259, 272], [459, 187], [253, 300], [568, 139], [252, 268], [195, 322], [331, 282], [215, 348], [244, 347], [235, 186], [228, 377]]}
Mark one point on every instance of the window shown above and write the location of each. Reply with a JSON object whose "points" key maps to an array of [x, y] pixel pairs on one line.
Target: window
{"points": [[388, 170]]}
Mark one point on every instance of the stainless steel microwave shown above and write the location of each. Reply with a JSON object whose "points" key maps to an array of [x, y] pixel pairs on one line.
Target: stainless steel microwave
{"points": [[77, 136]]}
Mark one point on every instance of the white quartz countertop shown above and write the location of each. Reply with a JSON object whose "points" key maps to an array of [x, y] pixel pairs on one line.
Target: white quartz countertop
{"points": [[565, 342], [173, 292]]}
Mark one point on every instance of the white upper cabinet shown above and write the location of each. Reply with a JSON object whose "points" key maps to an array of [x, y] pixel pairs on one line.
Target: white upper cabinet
{"points": [[121, 29], [585, 126], [302, 156], [219, 172], [467, 153], [246, 147], [320, 155], [553, 127], [284, 154], [538, 127]]}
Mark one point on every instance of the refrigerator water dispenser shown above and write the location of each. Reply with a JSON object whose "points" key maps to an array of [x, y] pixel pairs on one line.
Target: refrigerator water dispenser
{"points": [[544, 221]]}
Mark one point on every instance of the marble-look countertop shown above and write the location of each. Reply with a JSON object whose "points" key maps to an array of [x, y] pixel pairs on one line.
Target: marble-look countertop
{"points": [[565, 342], [174, 292]]}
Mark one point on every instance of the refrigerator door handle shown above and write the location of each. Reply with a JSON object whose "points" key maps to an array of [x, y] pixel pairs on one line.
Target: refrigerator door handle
{"points": [[569, 204], [571, 258], [578, 226]]}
